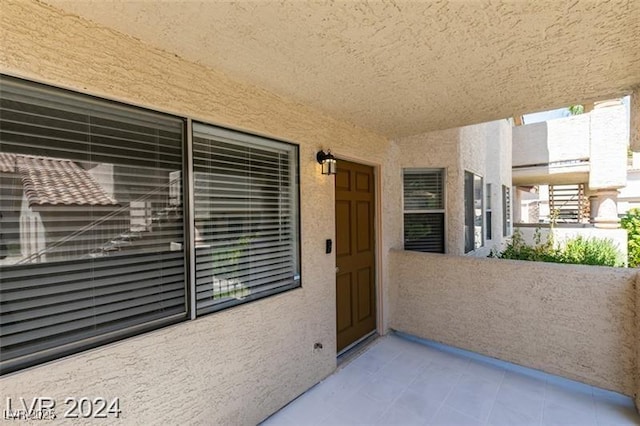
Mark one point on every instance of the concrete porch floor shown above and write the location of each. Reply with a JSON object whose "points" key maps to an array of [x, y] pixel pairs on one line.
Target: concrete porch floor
{"points": [[397, 381]]}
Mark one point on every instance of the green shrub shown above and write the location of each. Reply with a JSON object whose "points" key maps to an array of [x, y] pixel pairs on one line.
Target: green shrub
{"points": [[631, 222], [578, 250], [518, 249], [591, 251]]}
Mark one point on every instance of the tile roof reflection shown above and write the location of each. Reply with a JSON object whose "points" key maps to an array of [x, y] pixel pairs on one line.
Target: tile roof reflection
{"points": [[7, 163], [55, 181]]}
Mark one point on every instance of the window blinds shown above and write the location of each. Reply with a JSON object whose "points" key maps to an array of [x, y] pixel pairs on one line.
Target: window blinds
{"points": [[91, 228], [423, 190], [424, 210], [246, 217]]}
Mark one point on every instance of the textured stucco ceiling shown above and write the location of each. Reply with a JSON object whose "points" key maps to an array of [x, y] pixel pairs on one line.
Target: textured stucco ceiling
{"points": [[400, 68]]}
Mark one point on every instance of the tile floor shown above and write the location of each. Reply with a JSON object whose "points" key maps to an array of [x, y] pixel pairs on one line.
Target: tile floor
{"points": [[396, 381]]}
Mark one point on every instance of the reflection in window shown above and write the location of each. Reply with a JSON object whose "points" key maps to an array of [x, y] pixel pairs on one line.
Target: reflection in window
{"points": [[91, 233], [246, 210]]}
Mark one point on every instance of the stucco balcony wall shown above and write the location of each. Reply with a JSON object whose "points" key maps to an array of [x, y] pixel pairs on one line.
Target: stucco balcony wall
{"points": [[575, 321], [553, 151], [562, 139], [589, 147]]}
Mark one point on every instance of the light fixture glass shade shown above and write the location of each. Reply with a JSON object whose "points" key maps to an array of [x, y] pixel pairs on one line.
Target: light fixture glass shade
{"points": [[328, 161], [329, 166]]}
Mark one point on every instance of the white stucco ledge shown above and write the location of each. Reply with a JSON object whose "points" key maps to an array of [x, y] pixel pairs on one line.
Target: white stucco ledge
{"points": [[574, 321]]}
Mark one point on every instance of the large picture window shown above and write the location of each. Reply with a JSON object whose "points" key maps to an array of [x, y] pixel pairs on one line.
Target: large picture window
{"points": [[423, 191], [93, 196], [92, 241], [246, 217]]}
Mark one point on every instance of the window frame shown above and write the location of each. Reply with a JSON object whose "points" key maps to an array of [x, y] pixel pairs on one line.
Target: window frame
{"points": [[41, 356], [442, 211], [240, 136], [488, 212], [507, 227], [477, 181], [82, 344]]}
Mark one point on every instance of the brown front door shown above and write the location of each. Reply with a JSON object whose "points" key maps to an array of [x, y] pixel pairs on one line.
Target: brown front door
{"points": [[355, 252]]}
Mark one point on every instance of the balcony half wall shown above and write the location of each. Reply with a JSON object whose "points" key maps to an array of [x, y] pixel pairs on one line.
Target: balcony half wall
{"points": [[574, 321], [555, 151], [590, 147]]}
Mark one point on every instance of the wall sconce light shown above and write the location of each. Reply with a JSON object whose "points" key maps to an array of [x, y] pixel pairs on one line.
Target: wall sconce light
{"points": [[328, 161]]}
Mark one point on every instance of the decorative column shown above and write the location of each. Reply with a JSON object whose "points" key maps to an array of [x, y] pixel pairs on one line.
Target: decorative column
{"points": [[608, 161], [604, 209]]}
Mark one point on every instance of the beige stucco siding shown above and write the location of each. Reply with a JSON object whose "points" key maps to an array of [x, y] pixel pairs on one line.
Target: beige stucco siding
{"points": [[403, 67], [233, 367], [484, 149], [437, 150], [574, 321], [561, 139], [609, 140], [240, 365]]}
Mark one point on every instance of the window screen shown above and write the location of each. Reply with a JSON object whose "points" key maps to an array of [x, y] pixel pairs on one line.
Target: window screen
{"points": [[91, 237], [246, 217], [424, 210]]}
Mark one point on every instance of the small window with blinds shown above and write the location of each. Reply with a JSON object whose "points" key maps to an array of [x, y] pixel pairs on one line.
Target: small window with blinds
{"points": [[246, 217], [424, 210], [92, 222]]}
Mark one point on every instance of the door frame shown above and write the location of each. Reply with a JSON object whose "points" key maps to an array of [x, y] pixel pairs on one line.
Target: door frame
{"points": [[377, 233]]}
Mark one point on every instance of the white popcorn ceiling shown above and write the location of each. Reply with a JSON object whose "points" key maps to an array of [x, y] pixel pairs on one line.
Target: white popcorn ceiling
{"points": [[399, 68]]}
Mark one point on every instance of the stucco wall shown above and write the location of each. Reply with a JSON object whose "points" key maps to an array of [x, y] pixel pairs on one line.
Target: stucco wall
{"points": [[233, 367], [561, 139], [575, 321], [609, 139], [438, 149], [485, 149], [240, 365], [600, 136]]}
